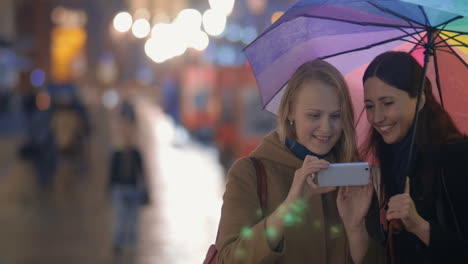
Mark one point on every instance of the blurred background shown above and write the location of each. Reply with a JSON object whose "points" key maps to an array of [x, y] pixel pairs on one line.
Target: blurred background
{"points": [[67, 67]]}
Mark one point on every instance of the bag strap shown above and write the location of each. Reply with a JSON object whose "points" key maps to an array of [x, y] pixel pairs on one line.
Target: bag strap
{"points": [[261, 182]]}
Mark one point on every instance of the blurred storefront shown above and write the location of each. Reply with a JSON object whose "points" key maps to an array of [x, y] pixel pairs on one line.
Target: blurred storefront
{"points": [[241, 122], [199, 76], [97, 54]]}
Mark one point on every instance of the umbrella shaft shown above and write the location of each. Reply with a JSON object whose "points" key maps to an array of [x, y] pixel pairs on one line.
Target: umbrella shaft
{"points": [[427, 55]]}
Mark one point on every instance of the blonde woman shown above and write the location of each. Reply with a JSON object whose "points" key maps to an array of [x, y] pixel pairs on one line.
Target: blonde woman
{"points": [[302, 223]]}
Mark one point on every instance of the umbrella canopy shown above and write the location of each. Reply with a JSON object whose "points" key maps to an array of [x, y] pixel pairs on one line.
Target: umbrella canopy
{"points": [[350, 33]]}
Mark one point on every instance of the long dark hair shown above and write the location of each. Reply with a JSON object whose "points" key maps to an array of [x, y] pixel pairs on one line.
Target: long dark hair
{"points": [[435, 126]]}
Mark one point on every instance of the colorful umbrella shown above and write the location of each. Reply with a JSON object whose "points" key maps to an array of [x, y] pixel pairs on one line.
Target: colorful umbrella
{"points": [[350, 33]]}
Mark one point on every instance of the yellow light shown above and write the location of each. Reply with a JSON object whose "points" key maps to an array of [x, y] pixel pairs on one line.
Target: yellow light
{"points": [[67, 45], [276, 16]]}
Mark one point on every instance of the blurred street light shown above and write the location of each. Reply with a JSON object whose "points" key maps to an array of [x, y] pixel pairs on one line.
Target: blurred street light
{"points": [[214, 22], [141, 28], [190, 19], [222, 6], [123, 22]]}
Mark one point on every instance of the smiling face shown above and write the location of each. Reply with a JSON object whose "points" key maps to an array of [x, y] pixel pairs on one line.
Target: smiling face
{"points": [[390, 111], [317, 117]]}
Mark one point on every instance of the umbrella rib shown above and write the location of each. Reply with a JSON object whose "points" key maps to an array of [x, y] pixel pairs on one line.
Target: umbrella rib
{"points": [[441, 50], [446, 51], [454, 31], [444, 26], [443, 40], [365, 47], [425, 16], [439, 88], [419, 43], [386, 10], [451, 37], [455, 54], [358, 23], [450, 21], [410, 41], [407, 33], [449, 45], [360, 116], [410, 22]]}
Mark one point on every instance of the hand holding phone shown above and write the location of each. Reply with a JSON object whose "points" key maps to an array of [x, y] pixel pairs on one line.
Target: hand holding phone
{"points": [[344, 174]]}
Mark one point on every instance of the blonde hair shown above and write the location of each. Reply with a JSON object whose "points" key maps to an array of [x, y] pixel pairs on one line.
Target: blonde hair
{"points": [[345, 149]]}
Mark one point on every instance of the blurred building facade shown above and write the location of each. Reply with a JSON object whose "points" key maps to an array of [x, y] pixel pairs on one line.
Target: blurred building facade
{"points": [[209, 90]]}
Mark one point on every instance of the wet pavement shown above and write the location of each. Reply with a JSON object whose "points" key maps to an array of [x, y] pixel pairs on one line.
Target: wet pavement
{"points": [[73, 222]]}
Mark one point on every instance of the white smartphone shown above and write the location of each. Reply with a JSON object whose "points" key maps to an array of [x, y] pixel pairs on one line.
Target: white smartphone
{"points": [[344, 174]]}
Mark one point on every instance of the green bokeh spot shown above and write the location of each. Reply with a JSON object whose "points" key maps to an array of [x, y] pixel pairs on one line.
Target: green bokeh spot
{"points": [[298, 207], [288, 219], [240, 253], [299, 219], [259, 212], [282, 210], [246, 233], [336, 231], [317, 224], [271, 233]]}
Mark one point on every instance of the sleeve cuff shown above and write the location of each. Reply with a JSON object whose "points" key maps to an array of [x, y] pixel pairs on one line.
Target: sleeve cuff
{"points": [[268, 255]]}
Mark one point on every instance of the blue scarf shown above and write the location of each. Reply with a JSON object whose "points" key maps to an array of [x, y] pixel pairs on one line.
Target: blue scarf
{"points": [[300, 151]]}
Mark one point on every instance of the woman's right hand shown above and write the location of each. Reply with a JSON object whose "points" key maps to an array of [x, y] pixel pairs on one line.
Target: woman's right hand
{"points": [[304, 186]]}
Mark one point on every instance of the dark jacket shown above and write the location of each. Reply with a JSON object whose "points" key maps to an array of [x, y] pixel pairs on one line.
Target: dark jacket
{"points": [[442, 202], [126, 167]]}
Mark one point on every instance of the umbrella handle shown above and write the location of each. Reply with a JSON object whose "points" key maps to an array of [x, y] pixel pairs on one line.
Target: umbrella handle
{"points": [[397, 225]]}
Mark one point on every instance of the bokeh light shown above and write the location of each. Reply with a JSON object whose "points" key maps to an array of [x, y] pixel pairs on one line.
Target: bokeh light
{"points": [[246, 233], [155, 50], [200, 40], [233, 32], [257, 7], [240, 253], [190, 19], [317, 224], [222, 6], [214, 22], [56, 14], [142, 13], [43, 101], [37, 77], [123, 22], [110, 99], [226, 55], [271, 233], [141, 28], [276, 16], [248, 34]]}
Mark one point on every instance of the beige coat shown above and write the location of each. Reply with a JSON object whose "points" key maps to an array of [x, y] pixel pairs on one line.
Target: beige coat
{"points": [[318, 237]]}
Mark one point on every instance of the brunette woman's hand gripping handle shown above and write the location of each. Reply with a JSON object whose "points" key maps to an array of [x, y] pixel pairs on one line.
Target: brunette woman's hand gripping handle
{"points": [[402, 207]]}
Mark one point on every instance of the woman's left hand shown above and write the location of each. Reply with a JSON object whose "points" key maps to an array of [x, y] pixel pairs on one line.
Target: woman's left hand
{"points": [[353, 203], [402, 207]]}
